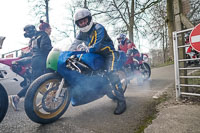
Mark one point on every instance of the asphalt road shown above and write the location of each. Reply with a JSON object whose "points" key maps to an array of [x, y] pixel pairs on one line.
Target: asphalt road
{"points": [[97, 116]]}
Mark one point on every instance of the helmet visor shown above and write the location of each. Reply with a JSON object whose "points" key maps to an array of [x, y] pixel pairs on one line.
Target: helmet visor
{"points": [[82, 22]]}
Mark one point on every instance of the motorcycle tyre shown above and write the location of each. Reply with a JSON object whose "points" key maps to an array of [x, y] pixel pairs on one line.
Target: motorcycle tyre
{"points": [[29, 99], [149, 71], [3, 102]]}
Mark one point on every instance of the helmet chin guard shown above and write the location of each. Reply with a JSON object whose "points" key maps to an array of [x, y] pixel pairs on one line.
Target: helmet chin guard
{"points": [[87, 27]]}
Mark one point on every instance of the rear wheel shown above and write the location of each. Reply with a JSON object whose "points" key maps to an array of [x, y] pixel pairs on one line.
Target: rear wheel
{"points": [[40, 103], [3, 102]]}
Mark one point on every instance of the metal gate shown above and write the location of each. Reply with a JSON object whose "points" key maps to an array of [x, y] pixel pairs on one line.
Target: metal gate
{"points": [[192, 89]]}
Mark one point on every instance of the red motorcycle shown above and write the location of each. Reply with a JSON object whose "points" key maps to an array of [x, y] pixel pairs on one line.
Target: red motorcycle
{"points": [[192, 54], [134, 68], [22, 68], [19, 65]]}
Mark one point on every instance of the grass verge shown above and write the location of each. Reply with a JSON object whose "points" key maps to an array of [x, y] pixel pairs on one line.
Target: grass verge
{"points": [[153, 113]]}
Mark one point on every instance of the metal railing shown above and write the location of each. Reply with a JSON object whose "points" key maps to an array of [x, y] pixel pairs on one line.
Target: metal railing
{"points": [[177, 68], [15, 53]]}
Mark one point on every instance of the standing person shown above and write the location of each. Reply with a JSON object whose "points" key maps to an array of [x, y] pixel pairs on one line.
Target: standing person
{"points": [[95, 36], [40, 48]]}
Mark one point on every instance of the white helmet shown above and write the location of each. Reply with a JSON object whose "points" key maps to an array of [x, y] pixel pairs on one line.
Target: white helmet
{"points": [[81, 14]]}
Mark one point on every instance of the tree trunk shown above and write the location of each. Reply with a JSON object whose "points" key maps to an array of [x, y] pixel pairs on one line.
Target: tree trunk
{"points": [[181, 51], [163, 45], [131, 21], [170, 22], [85, 4], [47, 10]]}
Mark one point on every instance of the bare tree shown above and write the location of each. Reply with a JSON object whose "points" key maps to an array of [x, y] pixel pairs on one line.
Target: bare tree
{"points": [[170, 22], [119, 13], [40, 9], [194, 14], [152, 25]]}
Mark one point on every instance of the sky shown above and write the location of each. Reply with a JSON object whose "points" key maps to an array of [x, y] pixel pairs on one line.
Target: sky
{"points": [[16, 15], [13, 19]]}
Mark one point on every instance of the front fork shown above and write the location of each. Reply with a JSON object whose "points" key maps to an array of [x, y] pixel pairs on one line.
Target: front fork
{"points": [[60, 90]]}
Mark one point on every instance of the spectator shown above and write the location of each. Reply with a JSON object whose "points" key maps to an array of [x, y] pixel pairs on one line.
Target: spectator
{"points": [[40, 44]]}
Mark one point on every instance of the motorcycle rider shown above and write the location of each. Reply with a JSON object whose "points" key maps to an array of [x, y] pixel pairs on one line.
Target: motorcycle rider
{"points": [[40, 45], [95, 36], [131, 51], [128, 47]]}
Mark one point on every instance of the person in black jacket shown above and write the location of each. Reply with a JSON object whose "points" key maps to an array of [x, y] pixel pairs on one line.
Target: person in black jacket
{"points": [[40, 47]]}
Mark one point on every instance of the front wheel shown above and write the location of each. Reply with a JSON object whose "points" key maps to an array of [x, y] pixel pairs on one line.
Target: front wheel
{"points": [[3, 102], [146, 70], [40, 103]]}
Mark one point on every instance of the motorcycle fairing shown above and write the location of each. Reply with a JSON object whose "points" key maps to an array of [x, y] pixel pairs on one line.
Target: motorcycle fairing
{"points": [[121, 60], [94, 61], [8, 61], [85, 88]]}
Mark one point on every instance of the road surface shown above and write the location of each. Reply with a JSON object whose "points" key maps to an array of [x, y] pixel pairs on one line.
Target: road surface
{"points": [[97, 116]]}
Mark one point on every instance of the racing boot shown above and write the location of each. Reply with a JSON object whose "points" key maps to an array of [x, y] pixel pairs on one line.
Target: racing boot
{"points": [[117, 87], [121, 102]]}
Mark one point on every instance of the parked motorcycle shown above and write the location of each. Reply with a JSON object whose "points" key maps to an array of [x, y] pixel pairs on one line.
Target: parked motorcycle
{"points": [[135, 69], [79, 78], [3, 101], [3, 93], [21, 66], [192, 54]]}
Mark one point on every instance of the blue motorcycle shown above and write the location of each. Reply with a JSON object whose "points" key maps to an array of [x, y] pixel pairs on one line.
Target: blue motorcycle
{"points": [[78, 78]]}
